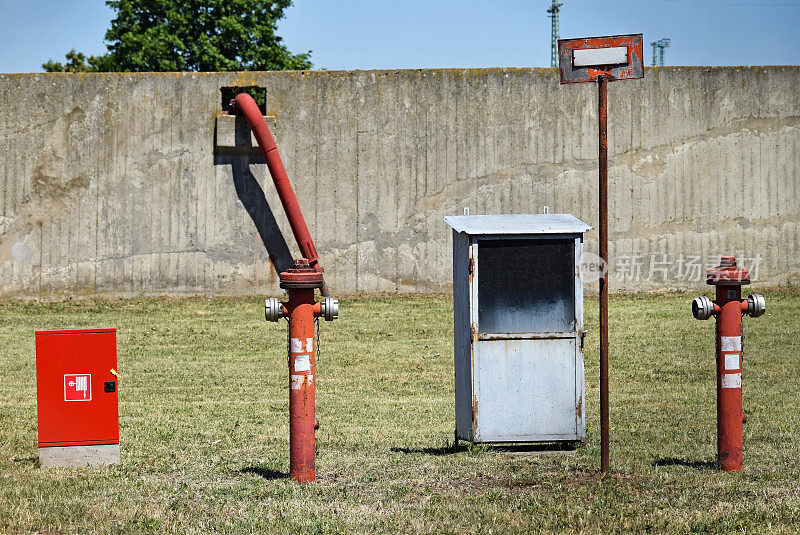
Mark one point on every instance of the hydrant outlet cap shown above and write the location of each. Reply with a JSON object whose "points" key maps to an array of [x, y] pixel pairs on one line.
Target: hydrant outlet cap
{"points": [[273, 309], [702, 308], [330, 308], [756, 305]]}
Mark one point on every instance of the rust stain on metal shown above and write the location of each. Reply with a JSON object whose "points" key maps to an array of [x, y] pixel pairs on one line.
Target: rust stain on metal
{"points": [[552, 335], [472, 339], [474, 415], [579, 406], [471, 267], [633, 69]]}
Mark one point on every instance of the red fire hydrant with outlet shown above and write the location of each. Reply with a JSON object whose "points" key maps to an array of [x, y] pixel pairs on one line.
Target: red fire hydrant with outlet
{"points": [[728, 309], [301, 311]]}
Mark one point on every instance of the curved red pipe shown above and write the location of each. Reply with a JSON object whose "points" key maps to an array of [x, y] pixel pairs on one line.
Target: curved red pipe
{"points": [[248, 107]]}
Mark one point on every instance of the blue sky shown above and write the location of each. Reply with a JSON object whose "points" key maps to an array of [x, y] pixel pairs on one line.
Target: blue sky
{"points": [[377, 34]]}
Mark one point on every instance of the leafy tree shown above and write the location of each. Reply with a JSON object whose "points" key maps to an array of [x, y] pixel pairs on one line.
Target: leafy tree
{"points": [[78, 62], [190, 35]]}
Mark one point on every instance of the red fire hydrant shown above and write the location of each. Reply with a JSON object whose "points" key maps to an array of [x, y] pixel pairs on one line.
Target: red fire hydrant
{"points": [[728, 309], [301, 311]]}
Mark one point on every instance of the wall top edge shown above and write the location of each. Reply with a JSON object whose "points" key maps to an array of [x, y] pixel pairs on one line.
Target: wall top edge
{"points": [[321, 73]]}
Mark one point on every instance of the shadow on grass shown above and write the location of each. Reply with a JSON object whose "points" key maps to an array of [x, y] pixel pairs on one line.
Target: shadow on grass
{"points": [[536, 448], [521, 449], [674, 461], [266, 473], [444, 450]]}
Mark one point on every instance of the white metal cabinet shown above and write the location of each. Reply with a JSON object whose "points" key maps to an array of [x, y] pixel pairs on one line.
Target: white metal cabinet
{"points": [[518, 320]]}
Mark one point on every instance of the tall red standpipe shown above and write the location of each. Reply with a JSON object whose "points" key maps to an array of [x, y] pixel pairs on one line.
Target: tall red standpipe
{"points": [[301, 310], [245, 105], [728, 309]]}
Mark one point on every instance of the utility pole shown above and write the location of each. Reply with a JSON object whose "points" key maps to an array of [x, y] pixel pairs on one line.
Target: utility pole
{"points": [[659, 48], [553, 14]]}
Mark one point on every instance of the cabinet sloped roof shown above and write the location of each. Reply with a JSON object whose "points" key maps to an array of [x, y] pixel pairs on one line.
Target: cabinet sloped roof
{"points": [[517, 224]]}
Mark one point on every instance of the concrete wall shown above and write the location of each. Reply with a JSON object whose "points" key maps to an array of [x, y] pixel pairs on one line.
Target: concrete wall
{"points": [[127, 184]]}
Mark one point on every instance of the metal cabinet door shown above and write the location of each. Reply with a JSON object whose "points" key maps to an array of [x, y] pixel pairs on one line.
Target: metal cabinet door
{"points": [[72, 368], [526, 390]]}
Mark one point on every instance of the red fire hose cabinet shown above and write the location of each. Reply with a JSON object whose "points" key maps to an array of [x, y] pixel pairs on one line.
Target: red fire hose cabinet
{"points": [[76, 391]]}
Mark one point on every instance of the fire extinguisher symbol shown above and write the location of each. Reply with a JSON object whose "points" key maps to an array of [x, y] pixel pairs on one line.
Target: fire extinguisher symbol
{"points": [[77, 387]]}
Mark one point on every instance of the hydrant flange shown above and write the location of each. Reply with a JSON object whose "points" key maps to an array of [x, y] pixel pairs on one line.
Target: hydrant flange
{"points": [[329, 308]]}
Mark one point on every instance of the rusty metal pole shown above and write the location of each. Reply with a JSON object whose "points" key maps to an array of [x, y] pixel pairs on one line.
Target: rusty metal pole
{"points": [[602, 59], [602, 115]]}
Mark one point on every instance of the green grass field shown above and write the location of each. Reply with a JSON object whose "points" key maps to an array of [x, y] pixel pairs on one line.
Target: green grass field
{"points": [[204, 427]]}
